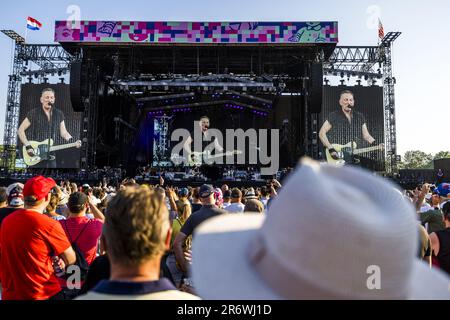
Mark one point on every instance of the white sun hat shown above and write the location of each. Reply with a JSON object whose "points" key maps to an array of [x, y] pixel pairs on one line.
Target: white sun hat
{"points": [[330, 234]]}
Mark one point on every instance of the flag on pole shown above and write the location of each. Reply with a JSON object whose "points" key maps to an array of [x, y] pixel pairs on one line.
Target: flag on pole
{"points": [[380, 30], [33, 24]]}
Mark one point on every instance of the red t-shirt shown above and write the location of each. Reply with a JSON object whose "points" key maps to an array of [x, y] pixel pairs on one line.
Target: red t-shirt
{"points": [[28, 240], [88, 240]]}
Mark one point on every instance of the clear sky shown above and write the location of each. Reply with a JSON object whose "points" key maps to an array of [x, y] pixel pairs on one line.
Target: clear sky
{"points": [[420, 54]]}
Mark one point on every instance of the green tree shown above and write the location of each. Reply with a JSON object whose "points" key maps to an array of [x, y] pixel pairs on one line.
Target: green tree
{"points": [[442, 155], [416, 159]]}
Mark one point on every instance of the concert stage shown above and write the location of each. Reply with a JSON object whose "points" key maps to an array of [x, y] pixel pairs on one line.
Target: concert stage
{"points": [[132, 84]]}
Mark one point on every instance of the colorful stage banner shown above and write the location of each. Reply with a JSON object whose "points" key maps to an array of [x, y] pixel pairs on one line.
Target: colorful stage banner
{"points": [[196, 32]]}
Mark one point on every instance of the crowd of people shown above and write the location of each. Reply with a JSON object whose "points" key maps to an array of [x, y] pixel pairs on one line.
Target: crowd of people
{"points": [[323, 230]]}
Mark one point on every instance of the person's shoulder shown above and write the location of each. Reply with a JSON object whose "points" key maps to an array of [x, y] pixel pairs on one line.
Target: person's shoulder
{"points": [[162, 295], [58, 114], [358, 114], [96, 221], [172, 295], [35, 110], [10, 217], [422, 231], [32, 113], [332, 116], [218, 210]]}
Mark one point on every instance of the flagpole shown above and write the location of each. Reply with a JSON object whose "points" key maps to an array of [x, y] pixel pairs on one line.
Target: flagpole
{"points": [[26, 32]]}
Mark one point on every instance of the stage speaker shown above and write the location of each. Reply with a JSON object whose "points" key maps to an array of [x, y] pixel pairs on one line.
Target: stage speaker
{"points": [[315, 88], [78, 83]]}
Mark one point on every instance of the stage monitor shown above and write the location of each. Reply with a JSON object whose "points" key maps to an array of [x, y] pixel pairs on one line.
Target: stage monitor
{"points": [[49, 129], [352, 120]]}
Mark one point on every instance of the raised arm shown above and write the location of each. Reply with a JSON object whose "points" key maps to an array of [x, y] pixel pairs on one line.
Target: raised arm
{"points": [[95, 211]]}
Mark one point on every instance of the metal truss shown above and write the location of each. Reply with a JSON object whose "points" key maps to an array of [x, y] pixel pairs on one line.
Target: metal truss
{"points": [[47, 57], [355, 61], [389, 104]]}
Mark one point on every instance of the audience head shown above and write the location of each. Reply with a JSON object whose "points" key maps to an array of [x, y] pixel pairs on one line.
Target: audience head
{"points": [[254, 205], [37, 192], [137, 227], [77, 203], [15, 195], [206, 194], [3, 197], [236, 195]]}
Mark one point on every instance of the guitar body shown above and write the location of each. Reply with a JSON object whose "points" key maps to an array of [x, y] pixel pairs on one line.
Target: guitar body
{"points": [[196, 158], [344, 154], [347, 153], [40, 150]]}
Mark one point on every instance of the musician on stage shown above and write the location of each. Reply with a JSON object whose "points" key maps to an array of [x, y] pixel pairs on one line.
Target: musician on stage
{"points": [[344, 126], [206, 139], [43, 123]]}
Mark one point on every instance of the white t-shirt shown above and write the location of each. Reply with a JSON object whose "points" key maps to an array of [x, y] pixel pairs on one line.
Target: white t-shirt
{"points": [[425, 207], [236, 207], [225, 204]]}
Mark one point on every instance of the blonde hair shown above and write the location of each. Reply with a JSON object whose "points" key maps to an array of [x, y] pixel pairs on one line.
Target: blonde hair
{"points": [[54, 199], [136, 226]]}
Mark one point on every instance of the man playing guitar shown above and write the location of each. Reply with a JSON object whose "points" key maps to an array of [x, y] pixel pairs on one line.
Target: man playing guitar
{"points": [[43, 123], [345, 127], [193, 156]]}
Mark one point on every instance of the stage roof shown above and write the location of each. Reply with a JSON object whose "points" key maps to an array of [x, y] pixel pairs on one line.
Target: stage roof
{"points": [[196, 33]]}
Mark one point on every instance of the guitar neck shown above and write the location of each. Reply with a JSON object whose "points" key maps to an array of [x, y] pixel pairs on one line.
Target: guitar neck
{"points": [[215, 155], [63, 146], [358, 151]]}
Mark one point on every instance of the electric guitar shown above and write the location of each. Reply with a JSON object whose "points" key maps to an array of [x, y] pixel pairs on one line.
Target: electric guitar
{"points": [[198, 158], [347, 151], [41, 150]]}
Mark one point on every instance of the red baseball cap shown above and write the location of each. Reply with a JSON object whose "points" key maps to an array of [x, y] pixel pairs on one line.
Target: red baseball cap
{"points": [[39, 187]]}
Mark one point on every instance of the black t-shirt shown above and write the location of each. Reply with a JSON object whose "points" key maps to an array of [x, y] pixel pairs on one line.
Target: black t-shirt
{"points": [[4, 212], [41, 128], [196, 207], [344, 131], [444, 249], [200, 216]]}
